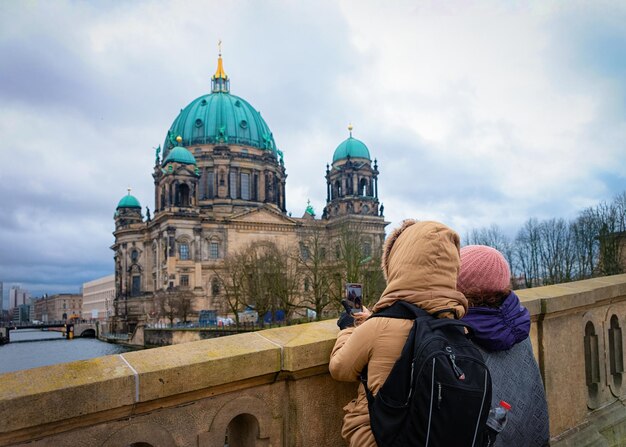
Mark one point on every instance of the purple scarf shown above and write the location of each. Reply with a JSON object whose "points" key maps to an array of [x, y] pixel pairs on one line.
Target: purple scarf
{"points": [[498, 329]]}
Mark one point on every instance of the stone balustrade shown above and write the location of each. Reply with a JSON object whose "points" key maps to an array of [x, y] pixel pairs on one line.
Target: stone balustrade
{"points": [[272, 388]]}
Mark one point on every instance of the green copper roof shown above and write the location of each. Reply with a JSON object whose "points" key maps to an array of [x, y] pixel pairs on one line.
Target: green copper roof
{"points": [[180, 155], [352, 147], [309, 209], [220, 117], [129, 201]]}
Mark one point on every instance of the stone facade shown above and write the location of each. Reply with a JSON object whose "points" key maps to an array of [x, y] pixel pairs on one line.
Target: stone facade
{"points": [[58, 307], [98, 297], [216, 192]]}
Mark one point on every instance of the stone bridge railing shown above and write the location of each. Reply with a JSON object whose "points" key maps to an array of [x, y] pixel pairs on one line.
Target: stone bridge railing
{"points": [[272, 388]]}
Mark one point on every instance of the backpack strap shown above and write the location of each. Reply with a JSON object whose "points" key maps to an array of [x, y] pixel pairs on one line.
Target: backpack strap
{"points": [[408, 311], [401, 309]]}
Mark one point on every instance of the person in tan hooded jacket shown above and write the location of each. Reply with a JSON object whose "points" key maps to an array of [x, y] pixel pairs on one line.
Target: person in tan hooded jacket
{"points": [[420, 263]]}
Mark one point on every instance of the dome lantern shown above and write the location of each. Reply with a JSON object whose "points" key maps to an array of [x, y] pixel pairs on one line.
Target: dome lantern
{"points": [[220, 82]]}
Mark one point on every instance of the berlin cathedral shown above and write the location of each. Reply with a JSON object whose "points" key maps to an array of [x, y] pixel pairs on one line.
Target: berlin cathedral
{"points": [[219, 186]]}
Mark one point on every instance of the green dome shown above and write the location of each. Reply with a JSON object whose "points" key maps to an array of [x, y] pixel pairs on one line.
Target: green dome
{"points": [[220, 117], [353, 148], [180, 155], [129, 201]]}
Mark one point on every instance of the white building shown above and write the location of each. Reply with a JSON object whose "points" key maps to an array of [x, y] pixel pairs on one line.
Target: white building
{"points": [[98, 296]]}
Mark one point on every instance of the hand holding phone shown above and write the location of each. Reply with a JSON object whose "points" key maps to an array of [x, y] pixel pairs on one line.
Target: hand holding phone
{"points": [[351, 307]]}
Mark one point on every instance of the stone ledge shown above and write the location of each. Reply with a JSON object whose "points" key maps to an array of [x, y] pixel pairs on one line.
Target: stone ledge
{"points": [[202, 364], [54, 393], [305, 345], [561, 297]]}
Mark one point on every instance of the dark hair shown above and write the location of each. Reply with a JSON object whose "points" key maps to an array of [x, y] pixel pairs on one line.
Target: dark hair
{"points": [[481, 298]]}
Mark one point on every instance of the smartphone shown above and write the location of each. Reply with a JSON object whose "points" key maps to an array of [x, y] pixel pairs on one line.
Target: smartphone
{"points": [[353, 302]]}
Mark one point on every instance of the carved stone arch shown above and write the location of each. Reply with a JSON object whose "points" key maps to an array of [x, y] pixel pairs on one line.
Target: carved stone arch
{"points": [[134, 258], [615, 350], [248, 409], [594, 364], [364, 186], [143, 433]]}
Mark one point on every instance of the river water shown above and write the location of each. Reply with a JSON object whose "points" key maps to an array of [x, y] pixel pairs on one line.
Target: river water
{"points": [[30, 348]]}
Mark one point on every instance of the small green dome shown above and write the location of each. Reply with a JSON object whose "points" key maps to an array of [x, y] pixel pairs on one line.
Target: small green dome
{"points": [[180, 155], [353, 148], [129, 201]]}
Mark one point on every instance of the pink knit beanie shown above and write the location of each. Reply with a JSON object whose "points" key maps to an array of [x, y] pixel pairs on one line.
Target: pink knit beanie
{"points": [[483, 269]]}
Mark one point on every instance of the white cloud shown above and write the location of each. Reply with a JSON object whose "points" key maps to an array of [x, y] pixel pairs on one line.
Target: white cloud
{"points": [[478, 113]]}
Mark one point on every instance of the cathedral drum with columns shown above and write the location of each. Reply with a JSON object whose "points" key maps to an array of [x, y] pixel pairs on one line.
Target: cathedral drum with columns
{"points": [[219, 186]]}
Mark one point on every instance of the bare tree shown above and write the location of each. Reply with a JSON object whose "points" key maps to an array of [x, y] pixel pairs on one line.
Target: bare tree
{"points": [[232, 279], [185, 298], [262, 276], [556, 254], [585, 244], [175, 303], [527, 251], [611, 235], [316, 270], [282, 278], [358, 262]]}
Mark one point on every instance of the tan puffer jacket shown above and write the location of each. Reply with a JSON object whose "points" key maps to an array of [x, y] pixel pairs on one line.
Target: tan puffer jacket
{"points": [[420, 262]]}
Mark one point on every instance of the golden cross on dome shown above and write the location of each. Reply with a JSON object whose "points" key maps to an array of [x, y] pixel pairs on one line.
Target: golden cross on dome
{"points": [[350, 128], [128, 189]]}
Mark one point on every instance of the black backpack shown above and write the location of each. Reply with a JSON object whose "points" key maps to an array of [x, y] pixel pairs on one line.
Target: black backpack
{"points": [[438, 393]]}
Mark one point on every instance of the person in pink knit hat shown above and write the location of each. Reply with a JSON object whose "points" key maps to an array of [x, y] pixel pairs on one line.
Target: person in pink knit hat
{"points": [[501, 325]]}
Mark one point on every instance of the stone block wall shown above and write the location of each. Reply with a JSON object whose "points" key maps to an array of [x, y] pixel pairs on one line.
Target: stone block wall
{"points": [[272, 388]]}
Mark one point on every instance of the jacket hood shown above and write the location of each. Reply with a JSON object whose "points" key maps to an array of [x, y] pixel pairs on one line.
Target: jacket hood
{"points": [[421, 263], [498, 329]]}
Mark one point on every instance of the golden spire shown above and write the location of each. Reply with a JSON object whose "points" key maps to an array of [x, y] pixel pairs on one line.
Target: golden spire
{"points": [[220, 73], [128, 189], [350, 129]]}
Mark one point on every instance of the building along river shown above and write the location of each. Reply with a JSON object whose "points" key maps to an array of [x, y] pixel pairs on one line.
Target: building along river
{"points": [[30, 348]]}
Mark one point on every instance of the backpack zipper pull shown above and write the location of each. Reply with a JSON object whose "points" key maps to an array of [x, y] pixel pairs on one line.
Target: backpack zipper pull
{"points": [[459, 373], [439, 397]]}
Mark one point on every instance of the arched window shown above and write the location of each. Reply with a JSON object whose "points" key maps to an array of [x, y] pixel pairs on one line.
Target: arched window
{"points": [[183, 251], [184, 198], [214, 249], [215, 287], [304, 252], [616, 353], [363, 187], [367, 249], [338, 188], [232, 186], [135, 288], [210, 191], [245, 186], [592, 358]]}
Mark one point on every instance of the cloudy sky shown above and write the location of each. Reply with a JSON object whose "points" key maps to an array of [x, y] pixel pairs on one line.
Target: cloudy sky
{"points": [[478, 112]]}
